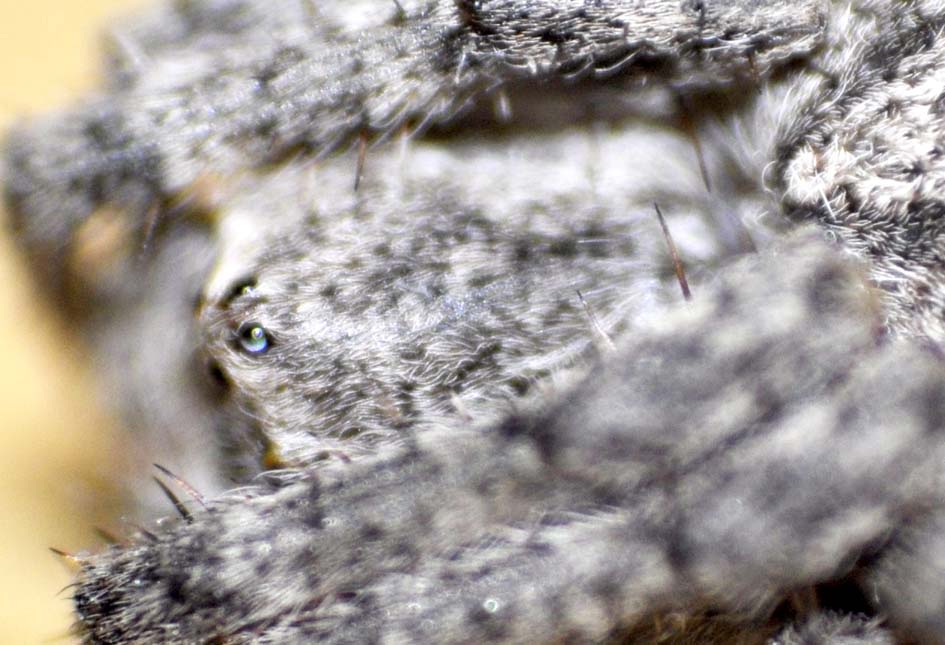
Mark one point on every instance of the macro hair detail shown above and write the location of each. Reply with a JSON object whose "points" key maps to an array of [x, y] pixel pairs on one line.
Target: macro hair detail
{"points": [[392, 288]]}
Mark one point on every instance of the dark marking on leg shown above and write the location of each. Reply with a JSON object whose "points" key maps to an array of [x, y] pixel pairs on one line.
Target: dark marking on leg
{"points": [[178, 505], [72, 561], [362, 157], [187, 488], [677, 262], [689, 127], [107, 536]]}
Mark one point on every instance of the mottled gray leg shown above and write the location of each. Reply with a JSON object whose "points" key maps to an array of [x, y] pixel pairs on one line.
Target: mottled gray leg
{"points": [[866, 157], [828, 628], [311, 86], [909, 582], [697, 467]]}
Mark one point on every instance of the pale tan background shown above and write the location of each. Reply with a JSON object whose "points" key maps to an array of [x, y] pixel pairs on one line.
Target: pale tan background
{"points": [[54, 444]]}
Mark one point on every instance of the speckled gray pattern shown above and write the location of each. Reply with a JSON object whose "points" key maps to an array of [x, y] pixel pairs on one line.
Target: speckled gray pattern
{"points": [[405, 258], [588, 512]]}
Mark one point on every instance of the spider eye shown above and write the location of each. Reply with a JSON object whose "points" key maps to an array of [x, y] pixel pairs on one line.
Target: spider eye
{"points": [[253, 338], [245, 288]]}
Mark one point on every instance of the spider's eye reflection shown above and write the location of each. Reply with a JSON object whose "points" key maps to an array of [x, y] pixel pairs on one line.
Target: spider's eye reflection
{"points": [[253, 338]]}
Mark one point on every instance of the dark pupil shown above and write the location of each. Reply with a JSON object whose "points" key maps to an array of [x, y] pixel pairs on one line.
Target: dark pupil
{"points": [[253, 338]]}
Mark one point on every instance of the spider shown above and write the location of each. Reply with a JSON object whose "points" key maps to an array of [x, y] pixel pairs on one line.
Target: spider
{"points": [[394, 271]]}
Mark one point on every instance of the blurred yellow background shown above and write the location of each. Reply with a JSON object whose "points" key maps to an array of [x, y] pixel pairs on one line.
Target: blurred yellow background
{"points": [[55, 442]]}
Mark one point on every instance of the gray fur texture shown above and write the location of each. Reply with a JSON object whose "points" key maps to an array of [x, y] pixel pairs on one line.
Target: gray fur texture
{"points": [[452, 370]]}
